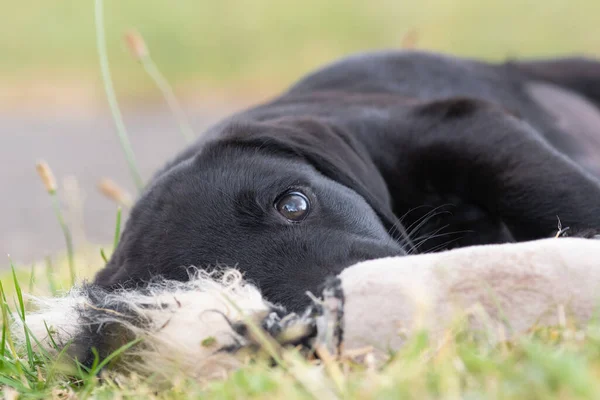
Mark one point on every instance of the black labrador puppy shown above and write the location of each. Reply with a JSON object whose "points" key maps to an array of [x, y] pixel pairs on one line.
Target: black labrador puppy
{"points": [[379, 154]]}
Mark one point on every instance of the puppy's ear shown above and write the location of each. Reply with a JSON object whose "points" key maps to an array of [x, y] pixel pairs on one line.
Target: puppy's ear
{"points": [[335, 154]]}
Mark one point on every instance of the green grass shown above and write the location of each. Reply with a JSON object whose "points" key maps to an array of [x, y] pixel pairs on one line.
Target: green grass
{"points": [[258, 46], [548, 362]]}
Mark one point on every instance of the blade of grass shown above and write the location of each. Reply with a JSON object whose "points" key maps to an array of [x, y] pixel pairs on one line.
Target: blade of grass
{"points": [[95, 362], [4, 322], [31, 279], [103, 255], [90, 377], [67, 235], [117, 229], [3, 294], [8, 339], [56, 347], [31, 282], [115, 354], [22, 314], [42, 350], [50, 276], [112, 97]]}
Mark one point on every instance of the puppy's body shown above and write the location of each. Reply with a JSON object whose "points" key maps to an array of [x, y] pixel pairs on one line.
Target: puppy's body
{"points": [[394, 153]]}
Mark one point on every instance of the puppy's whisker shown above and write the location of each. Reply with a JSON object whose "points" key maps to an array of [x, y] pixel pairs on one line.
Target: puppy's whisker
{"points": [[428, 215], [429, 235], [399, 234], [406, 214], [442, 245], [398, 229], [426, 218], [393, 230], [436, 235], [444, 234], [406, 240]]}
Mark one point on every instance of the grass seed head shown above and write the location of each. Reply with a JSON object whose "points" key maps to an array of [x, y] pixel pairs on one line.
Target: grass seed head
{"points": [[136, 45], [113, 191], [410, 39], [46, 175]]}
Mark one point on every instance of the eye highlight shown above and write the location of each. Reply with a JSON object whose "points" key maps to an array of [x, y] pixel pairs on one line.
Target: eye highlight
{"points": [[293, 206]]}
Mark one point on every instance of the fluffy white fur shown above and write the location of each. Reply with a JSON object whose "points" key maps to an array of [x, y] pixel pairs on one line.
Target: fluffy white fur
{"points": [[509, 287], [187, 322]]}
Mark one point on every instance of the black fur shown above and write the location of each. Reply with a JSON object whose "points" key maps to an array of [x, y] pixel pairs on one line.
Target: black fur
{"points": [[399, 152]]}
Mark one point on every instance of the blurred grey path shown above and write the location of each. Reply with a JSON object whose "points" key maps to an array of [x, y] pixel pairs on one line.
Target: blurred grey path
{"points": [[86, 148]]}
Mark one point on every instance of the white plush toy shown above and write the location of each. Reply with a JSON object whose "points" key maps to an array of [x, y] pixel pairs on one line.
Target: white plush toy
{"points": [[202, 326]]}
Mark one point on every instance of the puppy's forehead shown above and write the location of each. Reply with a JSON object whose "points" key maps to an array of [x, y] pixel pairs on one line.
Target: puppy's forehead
{"points": [[222, 175], [249, 169]]}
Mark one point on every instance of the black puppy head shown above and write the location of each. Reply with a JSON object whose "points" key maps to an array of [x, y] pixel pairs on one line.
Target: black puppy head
{"points": [[287, 203]]}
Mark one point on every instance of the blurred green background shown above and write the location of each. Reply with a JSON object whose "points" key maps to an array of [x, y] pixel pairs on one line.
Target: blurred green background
{"points": [[256, 47]]}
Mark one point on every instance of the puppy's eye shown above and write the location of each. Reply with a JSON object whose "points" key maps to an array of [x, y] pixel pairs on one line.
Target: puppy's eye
{"points": [[294, 206]]}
